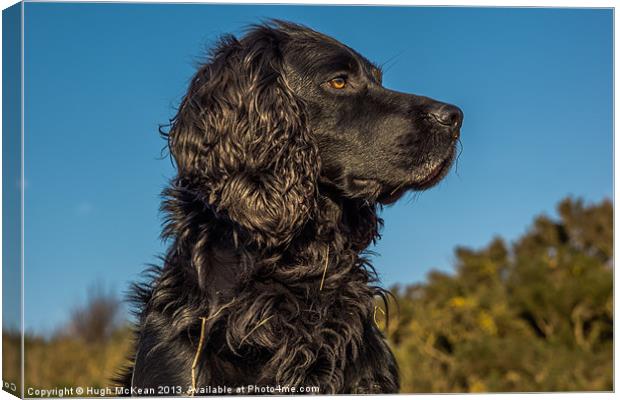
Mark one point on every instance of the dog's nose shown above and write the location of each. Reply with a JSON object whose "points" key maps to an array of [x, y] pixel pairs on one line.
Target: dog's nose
{"points": [[449, 115]]}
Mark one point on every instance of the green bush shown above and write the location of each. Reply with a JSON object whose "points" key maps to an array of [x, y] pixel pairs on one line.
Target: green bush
{"points": [[532, 316]]}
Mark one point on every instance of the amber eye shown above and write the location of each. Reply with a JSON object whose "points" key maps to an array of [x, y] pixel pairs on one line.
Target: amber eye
{"points": [[337, 83]]}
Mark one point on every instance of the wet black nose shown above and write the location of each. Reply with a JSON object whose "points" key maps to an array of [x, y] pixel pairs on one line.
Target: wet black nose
{"points": [[449, 115]]}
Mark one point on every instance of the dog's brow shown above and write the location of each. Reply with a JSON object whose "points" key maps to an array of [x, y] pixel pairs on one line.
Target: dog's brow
{"points": [[339, 62]]}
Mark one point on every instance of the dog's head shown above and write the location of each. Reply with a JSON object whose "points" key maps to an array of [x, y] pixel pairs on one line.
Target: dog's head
{"points": [[271, 118]]}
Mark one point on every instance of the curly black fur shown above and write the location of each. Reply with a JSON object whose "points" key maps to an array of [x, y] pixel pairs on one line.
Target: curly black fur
{"points": [[270, 214]]}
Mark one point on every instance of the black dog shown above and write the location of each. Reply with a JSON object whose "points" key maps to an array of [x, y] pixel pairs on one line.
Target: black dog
{"points": [[286, 144]]}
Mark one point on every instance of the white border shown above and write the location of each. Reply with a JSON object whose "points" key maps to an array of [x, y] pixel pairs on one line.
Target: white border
{"points": [[477, 3]]}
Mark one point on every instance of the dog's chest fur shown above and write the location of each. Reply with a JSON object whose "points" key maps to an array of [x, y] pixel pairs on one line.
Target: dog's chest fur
{"points": [[298, 317]]}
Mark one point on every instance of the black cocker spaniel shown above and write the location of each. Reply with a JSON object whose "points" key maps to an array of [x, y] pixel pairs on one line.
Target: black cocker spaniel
{"points": [[286, 144]]}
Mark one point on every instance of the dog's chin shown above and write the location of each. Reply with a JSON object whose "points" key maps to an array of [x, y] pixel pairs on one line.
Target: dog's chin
{"points": [[376, 191], [422, 181]]}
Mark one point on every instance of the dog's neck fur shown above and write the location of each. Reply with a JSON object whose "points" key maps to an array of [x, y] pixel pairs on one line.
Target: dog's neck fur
{"points": [[319, 286], [220, 257]]}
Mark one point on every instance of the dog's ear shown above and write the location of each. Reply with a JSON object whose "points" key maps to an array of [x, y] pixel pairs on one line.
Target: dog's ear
{"points": [[240, 140]]}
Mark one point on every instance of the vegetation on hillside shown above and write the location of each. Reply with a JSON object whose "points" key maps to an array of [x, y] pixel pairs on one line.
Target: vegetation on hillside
{"points": [[532, 316], [87, 352]]}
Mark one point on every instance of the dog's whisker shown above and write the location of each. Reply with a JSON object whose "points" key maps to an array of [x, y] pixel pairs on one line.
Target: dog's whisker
{"points": [[384, 65], [397, 188], [456, 163]]}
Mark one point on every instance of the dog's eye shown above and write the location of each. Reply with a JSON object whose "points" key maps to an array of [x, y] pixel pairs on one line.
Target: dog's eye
{"points": [[337, 83]]}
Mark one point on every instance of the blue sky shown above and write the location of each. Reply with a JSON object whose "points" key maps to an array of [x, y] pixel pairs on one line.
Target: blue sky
{"points": [[535, 86]]}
